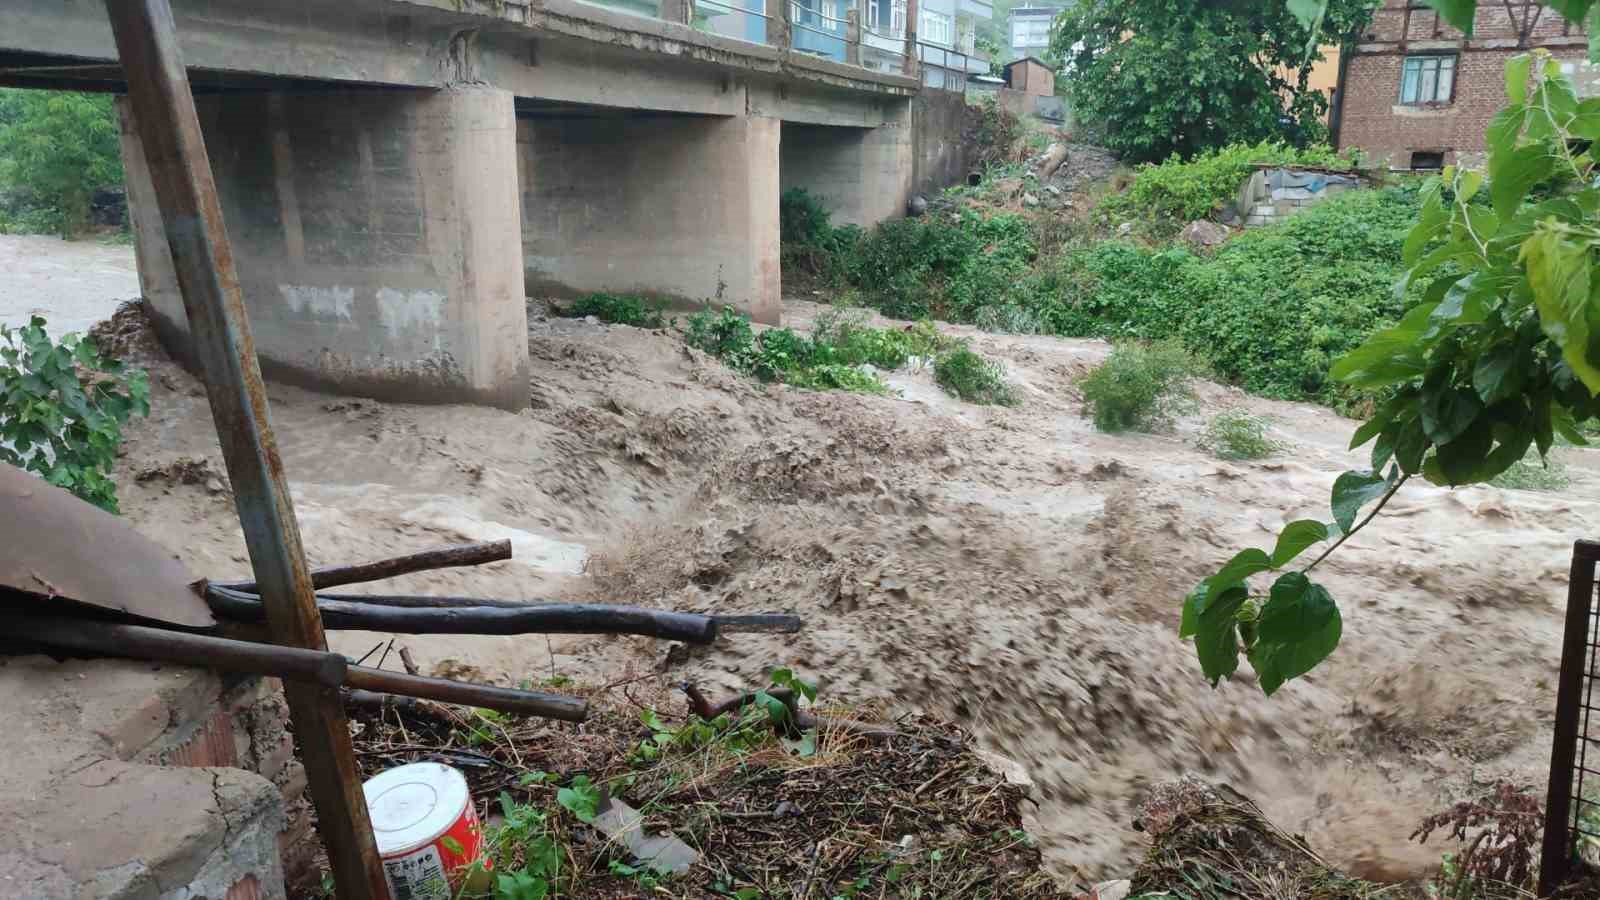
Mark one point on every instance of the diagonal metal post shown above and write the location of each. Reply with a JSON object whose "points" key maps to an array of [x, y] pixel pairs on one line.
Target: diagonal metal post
{"points": [[169, 130]]}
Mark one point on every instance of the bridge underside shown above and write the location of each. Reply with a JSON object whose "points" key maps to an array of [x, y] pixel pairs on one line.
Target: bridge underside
{"points": [[395, 185]]}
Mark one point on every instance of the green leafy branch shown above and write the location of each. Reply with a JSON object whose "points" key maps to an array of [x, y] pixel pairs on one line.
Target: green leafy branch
{"points": [[1501, 353], [62, 408]]}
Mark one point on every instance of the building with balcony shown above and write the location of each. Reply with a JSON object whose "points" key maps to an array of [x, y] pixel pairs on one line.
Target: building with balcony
{"points": [[1028, 30]]}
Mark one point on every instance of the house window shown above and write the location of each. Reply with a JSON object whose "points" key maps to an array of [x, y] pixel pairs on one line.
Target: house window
{"points": [[937, 28], [1427, 79], [1423, 160], [1030, 33], [886, 17]]}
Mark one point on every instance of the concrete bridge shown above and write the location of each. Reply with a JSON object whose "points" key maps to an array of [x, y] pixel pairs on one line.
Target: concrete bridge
{"points": [[397, 175]]}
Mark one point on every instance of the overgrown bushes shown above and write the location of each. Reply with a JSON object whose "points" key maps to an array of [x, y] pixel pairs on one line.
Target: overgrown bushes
{"points": [[1269, 310], [1174, 192]]}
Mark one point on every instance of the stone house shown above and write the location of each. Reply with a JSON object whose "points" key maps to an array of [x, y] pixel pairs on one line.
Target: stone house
{"points": [[1416, 93]]}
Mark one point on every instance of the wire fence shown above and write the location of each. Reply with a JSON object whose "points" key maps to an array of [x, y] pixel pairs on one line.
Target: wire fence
{"points": [[1572, 807]]}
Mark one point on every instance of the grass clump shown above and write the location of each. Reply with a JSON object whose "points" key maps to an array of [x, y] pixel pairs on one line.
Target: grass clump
{"points": [[965, 374], [1534, 474], [1238, 434], [618, 309], [1141, 387]]}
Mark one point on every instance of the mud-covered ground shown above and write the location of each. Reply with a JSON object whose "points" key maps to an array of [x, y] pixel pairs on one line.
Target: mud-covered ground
{"points": [[1009, 568]]}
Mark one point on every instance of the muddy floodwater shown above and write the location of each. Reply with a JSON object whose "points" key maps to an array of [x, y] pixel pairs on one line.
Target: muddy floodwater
{"points": [[1010, 568]]}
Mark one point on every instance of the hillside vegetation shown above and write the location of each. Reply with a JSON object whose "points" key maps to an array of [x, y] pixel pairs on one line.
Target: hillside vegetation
{"points": [[1269, 310]]}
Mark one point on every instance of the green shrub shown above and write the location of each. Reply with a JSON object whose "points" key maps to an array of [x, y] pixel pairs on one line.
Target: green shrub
{"points": [[727, 335], [802, 219], [1238, 434], [965, 374], [618, 309], [1175, 192], [62, 408], [1141, 387], [840, 345]]}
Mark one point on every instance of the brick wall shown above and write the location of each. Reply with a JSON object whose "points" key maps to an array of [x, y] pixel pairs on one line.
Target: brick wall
{"points": [[1374, 120]]}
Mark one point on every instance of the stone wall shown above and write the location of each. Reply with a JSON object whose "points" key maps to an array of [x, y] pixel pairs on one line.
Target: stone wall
{"points": [[1272, 195], [135, 780]]}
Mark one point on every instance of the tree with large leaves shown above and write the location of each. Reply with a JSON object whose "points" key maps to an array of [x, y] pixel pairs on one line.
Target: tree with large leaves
{"points": [[1159, 77], [1502, 353]]}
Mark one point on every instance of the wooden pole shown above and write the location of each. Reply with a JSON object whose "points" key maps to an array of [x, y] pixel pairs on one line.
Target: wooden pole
{"points": [[144, 642], [169, 130]]}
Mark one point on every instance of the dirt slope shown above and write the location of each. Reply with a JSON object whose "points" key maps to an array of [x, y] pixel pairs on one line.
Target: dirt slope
{"points": [[1011, 567]]}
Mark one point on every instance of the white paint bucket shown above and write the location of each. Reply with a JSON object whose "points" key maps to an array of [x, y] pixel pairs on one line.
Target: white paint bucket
{"points": [[426, 828]]}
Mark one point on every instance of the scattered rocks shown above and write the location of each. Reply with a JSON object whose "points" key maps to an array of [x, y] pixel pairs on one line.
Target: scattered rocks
{"points": [[1204, 233]]}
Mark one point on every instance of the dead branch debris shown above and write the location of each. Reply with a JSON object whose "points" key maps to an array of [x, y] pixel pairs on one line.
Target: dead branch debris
{"points": [[908, 808]]}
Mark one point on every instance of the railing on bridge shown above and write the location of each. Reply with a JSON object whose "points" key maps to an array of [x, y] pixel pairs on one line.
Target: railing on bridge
{"points": [[811, 27]]}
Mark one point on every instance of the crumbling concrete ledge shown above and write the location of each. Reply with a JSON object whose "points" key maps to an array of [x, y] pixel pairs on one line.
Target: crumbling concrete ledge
{"points": [[122, 780]]}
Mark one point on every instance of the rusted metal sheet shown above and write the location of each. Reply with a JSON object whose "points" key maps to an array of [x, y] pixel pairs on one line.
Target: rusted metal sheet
{"points": [[54, 546], [191, 215]]}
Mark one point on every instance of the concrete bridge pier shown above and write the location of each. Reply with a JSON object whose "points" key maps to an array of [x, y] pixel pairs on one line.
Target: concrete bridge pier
{"points": [[677, 206], [376, 234], [862, 175]]}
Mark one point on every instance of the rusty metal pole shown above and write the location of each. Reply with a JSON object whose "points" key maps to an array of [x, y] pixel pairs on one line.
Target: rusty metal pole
{"points": [[169, 129]]}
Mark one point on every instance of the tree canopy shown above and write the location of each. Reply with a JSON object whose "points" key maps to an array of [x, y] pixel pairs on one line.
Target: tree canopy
{"points": [[1159, 77]]}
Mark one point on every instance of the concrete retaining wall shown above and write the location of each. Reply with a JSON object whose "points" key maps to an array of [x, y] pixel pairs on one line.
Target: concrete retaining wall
{"points": [[376, 239], [939, 156]]}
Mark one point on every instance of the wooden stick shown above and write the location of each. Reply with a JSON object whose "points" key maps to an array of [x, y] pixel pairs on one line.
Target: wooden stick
{"points": [[163, 113], [377, 570], [537, 703], [143, 642], [353, 613]]}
